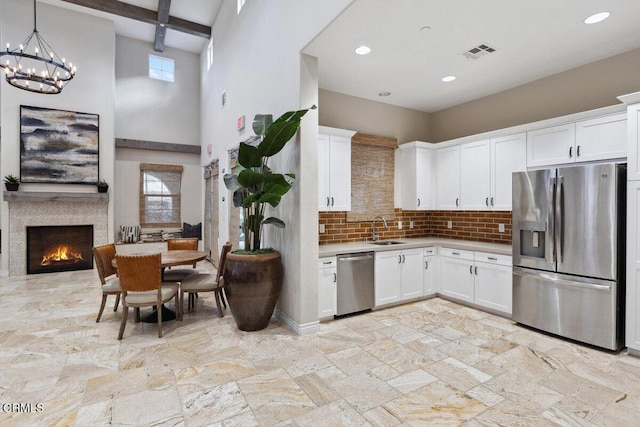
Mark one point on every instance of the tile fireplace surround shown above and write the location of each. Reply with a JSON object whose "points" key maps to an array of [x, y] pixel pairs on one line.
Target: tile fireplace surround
{"points": [[36, 209]]}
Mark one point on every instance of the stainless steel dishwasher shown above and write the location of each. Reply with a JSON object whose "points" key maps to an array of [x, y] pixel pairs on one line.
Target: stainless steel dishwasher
{"points": [[355, 283]]}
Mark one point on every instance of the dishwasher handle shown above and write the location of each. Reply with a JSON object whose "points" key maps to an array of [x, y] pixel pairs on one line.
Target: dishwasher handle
{"points": [[355, 258]]}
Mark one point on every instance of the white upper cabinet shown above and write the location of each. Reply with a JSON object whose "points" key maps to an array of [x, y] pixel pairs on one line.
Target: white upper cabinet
{"points": [[485, 171], [633, 135], [601, 138], [551, 146], [508, 155], [448, 178], [416, 173], [334, 169], [475, 175]]}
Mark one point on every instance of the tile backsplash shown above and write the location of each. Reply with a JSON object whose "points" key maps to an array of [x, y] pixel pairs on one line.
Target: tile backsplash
{"points": [[479, 226]]}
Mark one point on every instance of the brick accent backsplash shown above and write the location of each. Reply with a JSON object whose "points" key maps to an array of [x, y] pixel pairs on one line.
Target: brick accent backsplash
{"points": [[481, 226]]}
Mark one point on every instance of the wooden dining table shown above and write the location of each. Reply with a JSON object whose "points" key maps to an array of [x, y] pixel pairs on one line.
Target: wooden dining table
{"points": [[170, 259]]}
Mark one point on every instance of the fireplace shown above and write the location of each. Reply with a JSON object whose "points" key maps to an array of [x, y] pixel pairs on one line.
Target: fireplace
{"points": [[59, 248]]}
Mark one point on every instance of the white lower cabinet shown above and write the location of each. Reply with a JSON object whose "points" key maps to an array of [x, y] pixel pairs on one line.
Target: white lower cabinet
{"points": [[398, 276], [493, 281], [327, 287], [632, 321], [456, 274], [477, 277], [430, 273]]}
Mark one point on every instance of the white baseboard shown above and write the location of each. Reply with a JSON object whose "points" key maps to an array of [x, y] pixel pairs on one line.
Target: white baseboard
{"points": [[298, 329]]}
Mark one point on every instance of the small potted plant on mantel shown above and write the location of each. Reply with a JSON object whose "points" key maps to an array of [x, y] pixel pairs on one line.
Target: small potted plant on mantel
{"points": [[11, 182], [103, 187]]}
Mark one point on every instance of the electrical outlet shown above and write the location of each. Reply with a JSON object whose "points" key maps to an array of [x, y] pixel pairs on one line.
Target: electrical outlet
{"points": [[399, 225], [410, 224], [322, 228], [501, 228], [449, 224]]}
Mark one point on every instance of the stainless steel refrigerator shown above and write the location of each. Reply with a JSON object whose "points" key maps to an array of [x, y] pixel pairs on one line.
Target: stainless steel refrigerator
{"points": [[568, 252]]}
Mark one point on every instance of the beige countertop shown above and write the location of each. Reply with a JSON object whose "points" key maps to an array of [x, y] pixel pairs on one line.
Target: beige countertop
{"points": [[346, 248]]}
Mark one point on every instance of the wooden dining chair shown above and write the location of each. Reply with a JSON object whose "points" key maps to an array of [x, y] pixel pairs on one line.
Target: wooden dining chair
{"points": [[182, 243], [206, 282], [108, 274], [142, 286]]}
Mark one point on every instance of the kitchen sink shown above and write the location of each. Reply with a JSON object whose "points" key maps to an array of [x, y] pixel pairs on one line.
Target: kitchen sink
{"points": [[387, 242]]}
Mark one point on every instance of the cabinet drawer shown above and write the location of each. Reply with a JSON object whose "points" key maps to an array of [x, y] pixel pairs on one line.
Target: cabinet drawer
{"points": [[493, 258], [328, 262], [457, 253], [430, 251]]}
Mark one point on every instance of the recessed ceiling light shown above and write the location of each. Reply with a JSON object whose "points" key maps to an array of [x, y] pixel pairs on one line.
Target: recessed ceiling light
{"points": [[598, 17], [384, 93], [448, 79], [363, 50]]}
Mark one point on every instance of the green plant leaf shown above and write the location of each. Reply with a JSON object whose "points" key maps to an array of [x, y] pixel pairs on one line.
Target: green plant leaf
{"points": [[279, 179], [231, 182], [277, 189], [250, 178], [261, 123], [280, 132], [248, 156], [272, 198], [274, 221]]}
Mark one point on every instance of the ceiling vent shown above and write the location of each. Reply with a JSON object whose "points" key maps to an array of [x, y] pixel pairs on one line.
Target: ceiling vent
{"points": [[478, 52]]}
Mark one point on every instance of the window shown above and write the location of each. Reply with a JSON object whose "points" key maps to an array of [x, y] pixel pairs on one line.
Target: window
{"points": [[240, 4], [161, 68], [209, 54], [160, 195]]}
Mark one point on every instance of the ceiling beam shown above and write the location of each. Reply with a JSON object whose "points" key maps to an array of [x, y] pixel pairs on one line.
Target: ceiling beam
{"points": [[131, 11], [161, 29]]}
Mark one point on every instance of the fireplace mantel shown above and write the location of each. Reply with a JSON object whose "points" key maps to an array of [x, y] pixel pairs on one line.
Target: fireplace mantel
{"points": [[52, 196]]}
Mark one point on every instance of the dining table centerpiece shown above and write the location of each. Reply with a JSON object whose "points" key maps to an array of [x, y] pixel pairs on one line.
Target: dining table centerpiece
{"points": [[253, 275]]}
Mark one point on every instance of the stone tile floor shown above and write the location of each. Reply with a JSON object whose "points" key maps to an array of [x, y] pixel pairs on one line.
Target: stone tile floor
{"points": [[432, 363]]}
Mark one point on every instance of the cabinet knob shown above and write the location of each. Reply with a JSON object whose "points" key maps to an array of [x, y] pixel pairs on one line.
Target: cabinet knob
{"points": [[471, 269], [332, 201], [476, 270], [570, 152], [457, 202], [327, 201], [335, 277], [486, 201], [418, 202], [578, 151], [492, 201], [426, 265]]}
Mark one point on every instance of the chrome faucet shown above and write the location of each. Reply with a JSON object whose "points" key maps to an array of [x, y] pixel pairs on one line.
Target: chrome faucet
{"points": [[374, 236]]}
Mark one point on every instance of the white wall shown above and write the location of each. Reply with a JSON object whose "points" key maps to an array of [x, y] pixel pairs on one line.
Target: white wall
{"points": [[257, 61], [88, 42], [154, 110]]}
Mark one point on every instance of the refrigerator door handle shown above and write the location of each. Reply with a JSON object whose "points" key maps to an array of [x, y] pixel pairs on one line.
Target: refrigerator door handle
{"points": [[559, 222], [595, 284], [550, 250]]}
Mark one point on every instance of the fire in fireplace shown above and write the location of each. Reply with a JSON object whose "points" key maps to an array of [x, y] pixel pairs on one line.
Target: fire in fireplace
{"points": [[59, 248]]}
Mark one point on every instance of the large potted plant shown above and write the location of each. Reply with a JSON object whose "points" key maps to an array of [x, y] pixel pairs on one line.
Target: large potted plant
{"points": [[253, 276]]}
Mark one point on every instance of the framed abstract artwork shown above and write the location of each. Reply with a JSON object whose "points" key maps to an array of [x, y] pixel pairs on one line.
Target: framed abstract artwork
{"points": [[58, 146]]}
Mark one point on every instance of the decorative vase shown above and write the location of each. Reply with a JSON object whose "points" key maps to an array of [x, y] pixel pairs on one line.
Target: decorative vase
{"points": [[252, 284], [103, 189], [12, 186]]}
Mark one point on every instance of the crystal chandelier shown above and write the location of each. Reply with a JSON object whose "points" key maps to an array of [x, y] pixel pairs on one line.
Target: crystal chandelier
{"points": [[34, 66]]}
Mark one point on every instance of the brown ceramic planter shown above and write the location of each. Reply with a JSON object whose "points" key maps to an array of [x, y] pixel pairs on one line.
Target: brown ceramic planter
{"points": [[252, 284]]}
